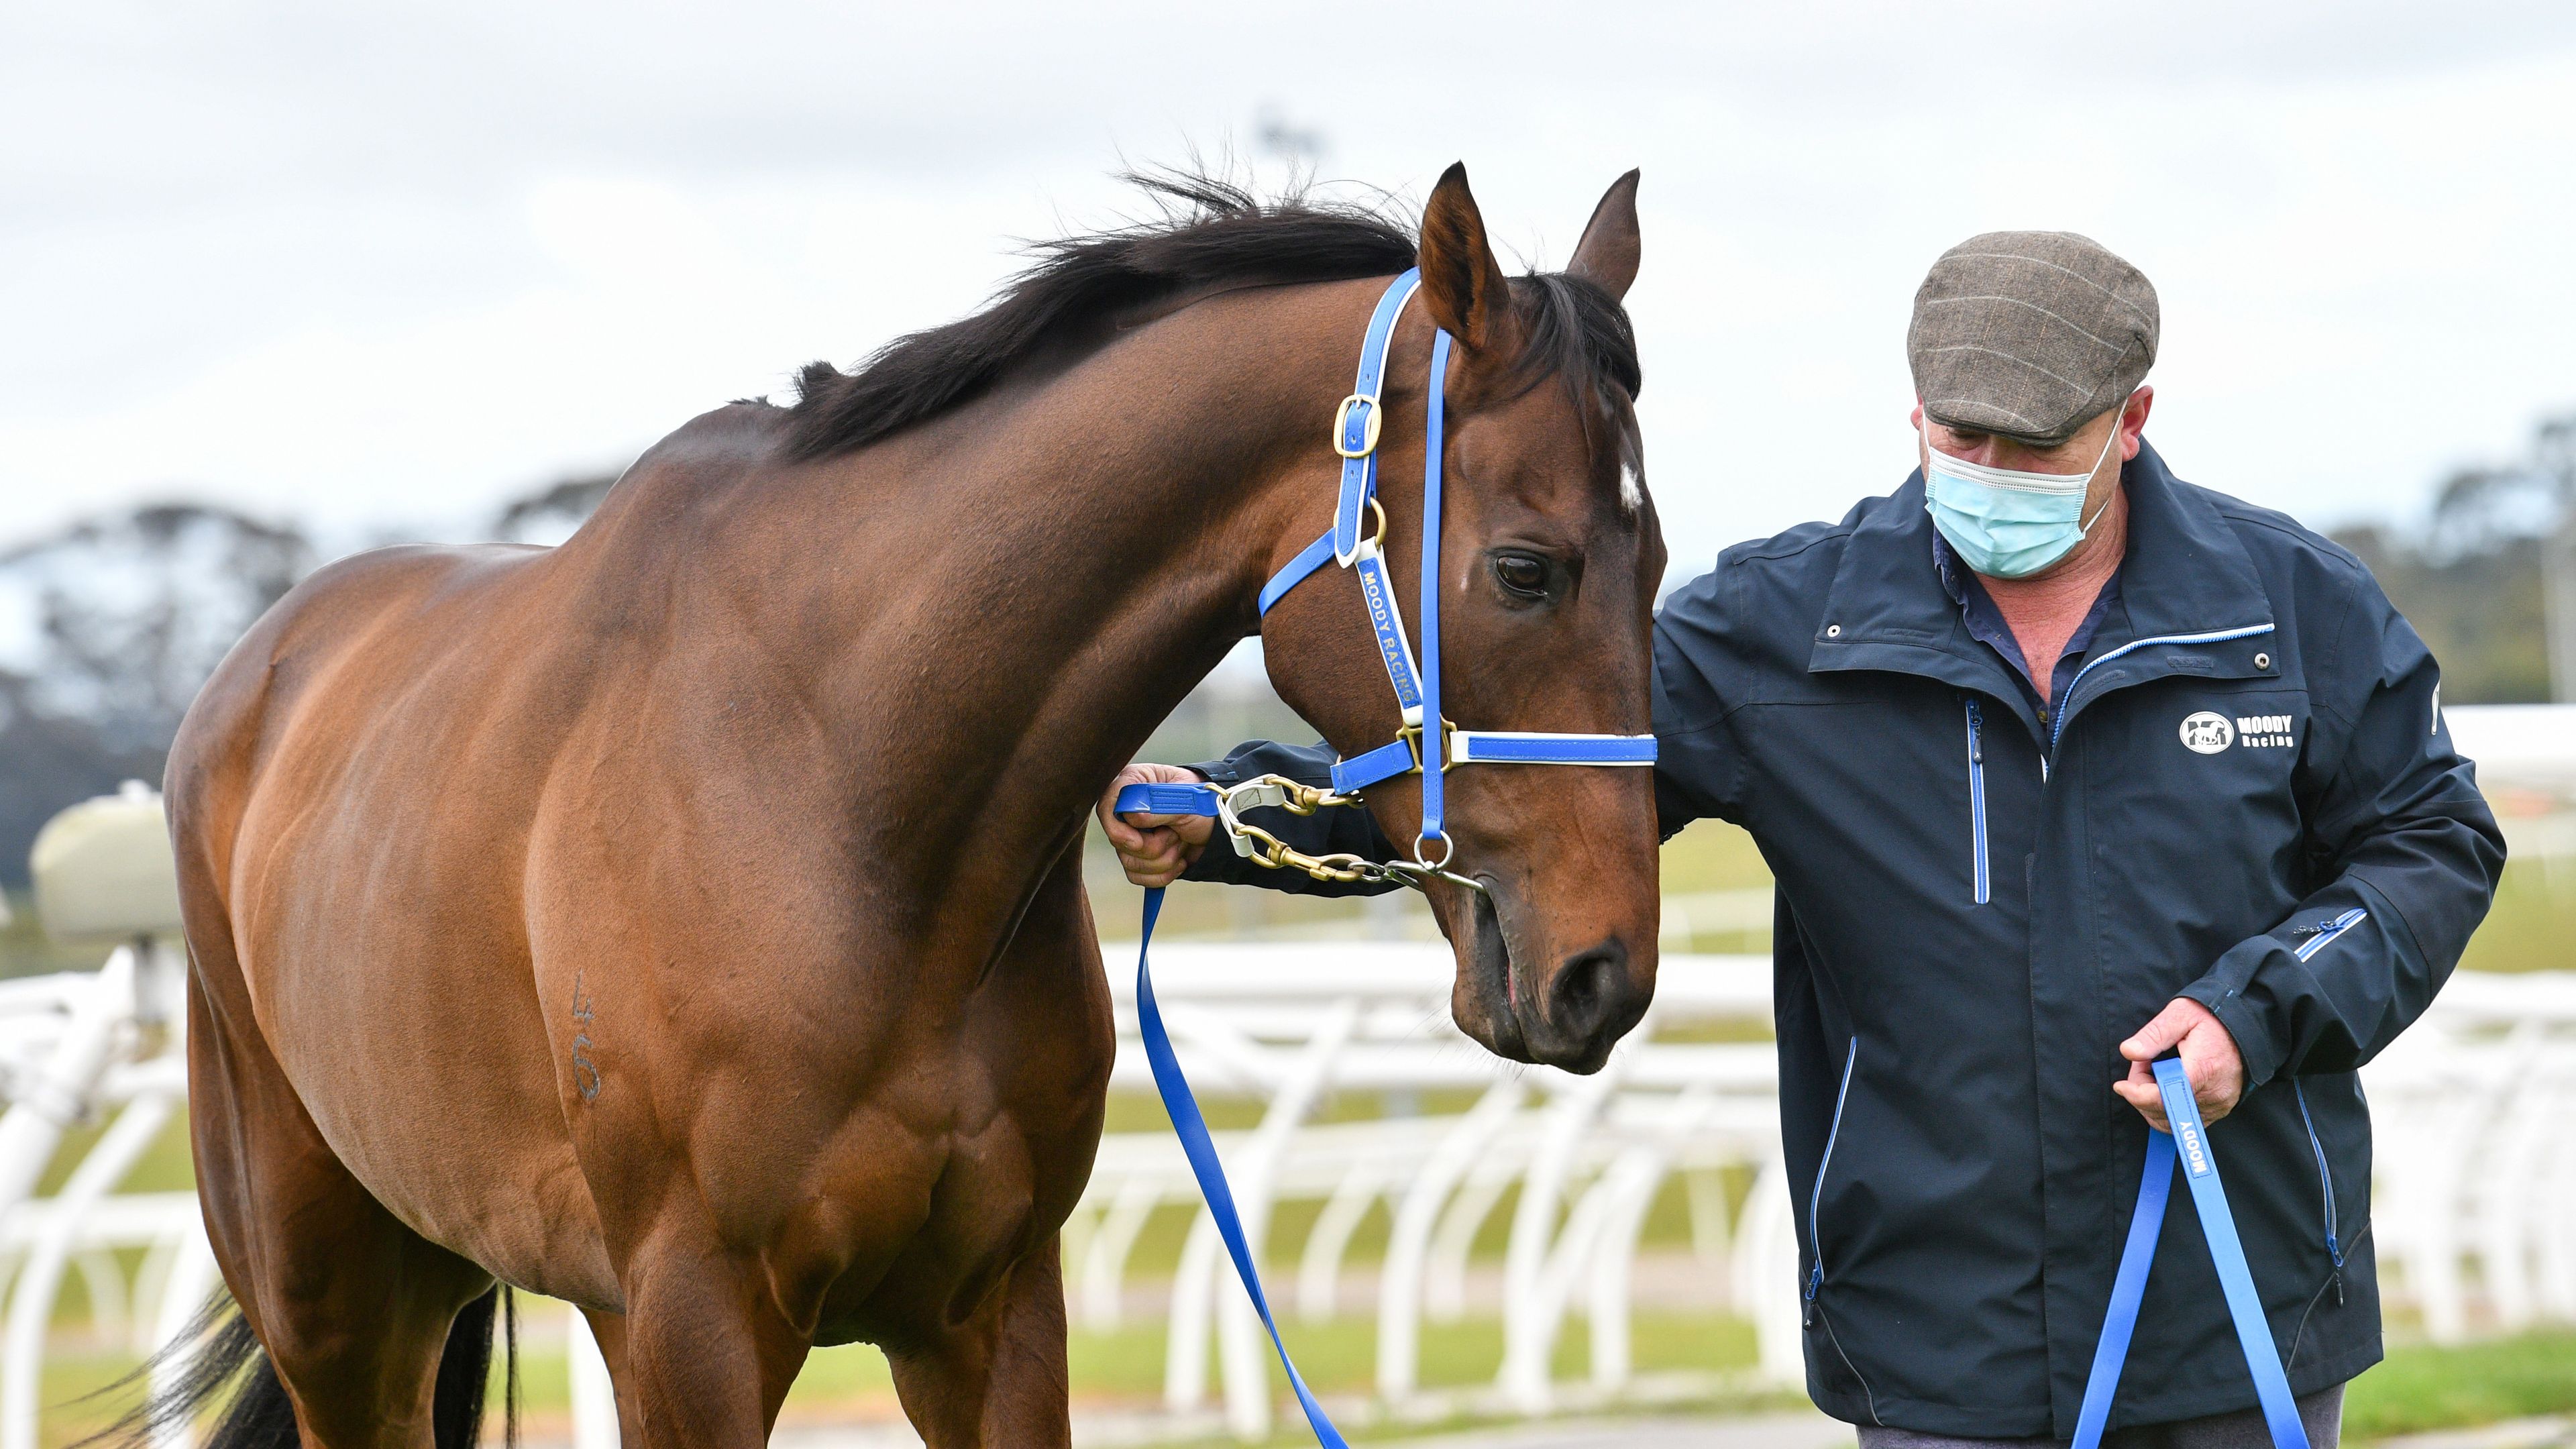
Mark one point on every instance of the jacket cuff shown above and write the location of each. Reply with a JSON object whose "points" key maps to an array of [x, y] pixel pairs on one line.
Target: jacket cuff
{"points": [[2244, 1023]]}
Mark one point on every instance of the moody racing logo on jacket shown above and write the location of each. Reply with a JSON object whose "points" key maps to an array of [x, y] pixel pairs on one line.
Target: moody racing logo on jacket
{"points": [[2206, 733], [2209, 733]]}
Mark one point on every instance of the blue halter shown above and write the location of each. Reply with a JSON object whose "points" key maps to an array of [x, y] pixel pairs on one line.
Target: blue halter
{"points": [[1356, 427]]}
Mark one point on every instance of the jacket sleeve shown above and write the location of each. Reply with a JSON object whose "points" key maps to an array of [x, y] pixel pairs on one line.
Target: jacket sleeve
{"points": [[1698, 770], [1326, 832], [2405, 848]]}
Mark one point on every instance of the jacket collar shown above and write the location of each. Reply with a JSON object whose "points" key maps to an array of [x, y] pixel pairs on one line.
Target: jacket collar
{"points": [[2186, 574], [2187, 571]]}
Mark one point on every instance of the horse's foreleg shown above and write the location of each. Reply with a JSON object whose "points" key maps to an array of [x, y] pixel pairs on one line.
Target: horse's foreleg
{"points": [[608, 1331], [998, 1378], [707, 1358]]}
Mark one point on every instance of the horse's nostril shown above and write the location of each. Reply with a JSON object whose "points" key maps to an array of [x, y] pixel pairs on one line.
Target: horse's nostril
{"points": [[1591, 993]]}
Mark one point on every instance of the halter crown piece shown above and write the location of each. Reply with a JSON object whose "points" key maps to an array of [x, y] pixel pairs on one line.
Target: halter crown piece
{"points": [[1356, 426]]}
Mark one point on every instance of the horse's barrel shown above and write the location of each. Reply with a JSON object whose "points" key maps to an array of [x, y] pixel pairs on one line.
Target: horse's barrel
{"points": [[103, 869]]}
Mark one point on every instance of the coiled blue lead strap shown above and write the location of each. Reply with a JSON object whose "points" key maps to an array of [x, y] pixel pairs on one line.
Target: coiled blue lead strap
{"points": [[2188, 1142]]}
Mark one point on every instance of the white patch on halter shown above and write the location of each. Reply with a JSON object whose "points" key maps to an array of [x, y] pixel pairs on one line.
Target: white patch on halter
{"points": [[1632, 493]]}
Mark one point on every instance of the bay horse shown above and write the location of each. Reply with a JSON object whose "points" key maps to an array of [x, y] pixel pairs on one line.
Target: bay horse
{"points": [[687, 922]]}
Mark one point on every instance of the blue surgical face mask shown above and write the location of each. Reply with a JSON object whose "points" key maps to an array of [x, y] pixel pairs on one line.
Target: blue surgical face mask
{"points": [[2004, 523]]}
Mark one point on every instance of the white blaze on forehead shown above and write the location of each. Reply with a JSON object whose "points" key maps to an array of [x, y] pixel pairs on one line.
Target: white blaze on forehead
{"points": [[1632, 491]]}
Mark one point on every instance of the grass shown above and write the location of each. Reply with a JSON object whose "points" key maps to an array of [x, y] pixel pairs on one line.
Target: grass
{"points": [[2420, 1387], [25, 949], [2423, 1386], [2532, 926], [1121, 1369]]}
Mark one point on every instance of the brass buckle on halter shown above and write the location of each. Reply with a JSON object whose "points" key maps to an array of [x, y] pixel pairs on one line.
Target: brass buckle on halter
{"points": [[1369, 429], [1412, 736]]}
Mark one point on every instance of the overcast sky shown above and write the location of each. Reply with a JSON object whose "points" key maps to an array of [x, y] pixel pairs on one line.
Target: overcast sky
{"points": [[379, 266]]}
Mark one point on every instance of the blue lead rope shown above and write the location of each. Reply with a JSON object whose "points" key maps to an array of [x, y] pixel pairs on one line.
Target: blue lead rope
{"points": [[1187, 1123], [2189, 1141]]}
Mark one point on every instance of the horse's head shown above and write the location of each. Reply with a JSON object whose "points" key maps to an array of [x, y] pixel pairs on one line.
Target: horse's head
{"points": [[1549, 559]]}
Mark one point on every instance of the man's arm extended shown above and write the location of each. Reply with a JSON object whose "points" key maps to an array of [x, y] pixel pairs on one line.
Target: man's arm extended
{"points": [[2408, 854], [1156, 850]]}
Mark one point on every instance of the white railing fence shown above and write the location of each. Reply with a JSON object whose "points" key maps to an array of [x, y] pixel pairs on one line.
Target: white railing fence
{"points": [[2474, 1214]]}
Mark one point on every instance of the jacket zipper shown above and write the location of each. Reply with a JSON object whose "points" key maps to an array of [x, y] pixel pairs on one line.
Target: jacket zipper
{"points": [[1816, 1194], [2324, 932], [2057, 727], [1977, 797], [2325, 1179]]}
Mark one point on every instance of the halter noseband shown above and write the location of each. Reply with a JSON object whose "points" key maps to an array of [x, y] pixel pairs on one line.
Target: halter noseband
{"points": [[1357, 424]]}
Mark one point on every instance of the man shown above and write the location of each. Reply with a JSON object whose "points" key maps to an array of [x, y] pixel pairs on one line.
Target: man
{"points": [[2061, 764]]}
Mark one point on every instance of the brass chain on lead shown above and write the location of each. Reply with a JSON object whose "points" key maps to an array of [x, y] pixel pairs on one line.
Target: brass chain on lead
{"points": [[1265, 849]]}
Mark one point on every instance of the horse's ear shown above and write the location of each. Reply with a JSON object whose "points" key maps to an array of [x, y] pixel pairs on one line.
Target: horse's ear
{"points": [[1607, 255], [1461, 284]]}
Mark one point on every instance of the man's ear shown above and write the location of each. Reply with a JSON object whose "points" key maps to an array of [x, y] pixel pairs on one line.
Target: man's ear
{"points": [[1460, 283], [1607, 255]]}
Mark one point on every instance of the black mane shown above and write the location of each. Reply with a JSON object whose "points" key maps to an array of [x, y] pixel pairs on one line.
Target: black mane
{"points": [[1212, 234]]}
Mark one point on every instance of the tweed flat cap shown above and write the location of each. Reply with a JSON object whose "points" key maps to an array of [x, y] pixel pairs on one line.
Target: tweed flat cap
{"points": [[2030, 334]]}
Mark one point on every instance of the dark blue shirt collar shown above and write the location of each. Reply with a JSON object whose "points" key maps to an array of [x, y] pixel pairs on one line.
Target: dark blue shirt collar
{"points": [[1985, 622]]}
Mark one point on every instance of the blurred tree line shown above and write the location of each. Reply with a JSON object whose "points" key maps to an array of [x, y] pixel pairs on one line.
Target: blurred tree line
{"points": [[2490, 581], [119, 618], [111, 624]]}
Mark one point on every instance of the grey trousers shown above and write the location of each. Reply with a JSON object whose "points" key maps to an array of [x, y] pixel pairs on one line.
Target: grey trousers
{"points": [[2321, 1411]]}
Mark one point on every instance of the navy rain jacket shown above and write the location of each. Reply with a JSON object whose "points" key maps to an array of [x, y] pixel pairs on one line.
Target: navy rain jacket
{"points": [[2247, 797]]}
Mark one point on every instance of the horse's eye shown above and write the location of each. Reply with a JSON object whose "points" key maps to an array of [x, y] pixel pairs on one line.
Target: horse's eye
{"points": [[1522, 574]]}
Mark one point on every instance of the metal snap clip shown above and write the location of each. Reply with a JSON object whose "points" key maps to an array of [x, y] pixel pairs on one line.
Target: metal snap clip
{"points": [[1833, 631], [2262, 661]]}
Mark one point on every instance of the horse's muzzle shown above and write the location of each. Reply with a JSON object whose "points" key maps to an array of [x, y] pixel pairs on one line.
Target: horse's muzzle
{"points": [[1569, 1015]]}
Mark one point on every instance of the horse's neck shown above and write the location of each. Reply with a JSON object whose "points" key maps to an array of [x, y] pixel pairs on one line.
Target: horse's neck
{"points": [[1058, 569]]}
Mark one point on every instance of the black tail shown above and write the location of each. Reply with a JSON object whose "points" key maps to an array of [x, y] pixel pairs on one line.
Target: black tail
{"points": [[217, 1352], [465, 1370]]}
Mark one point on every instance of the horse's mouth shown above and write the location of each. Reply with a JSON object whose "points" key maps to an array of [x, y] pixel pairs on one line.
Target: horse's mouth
{"points": [[1492, 991], [1567, 1016]]}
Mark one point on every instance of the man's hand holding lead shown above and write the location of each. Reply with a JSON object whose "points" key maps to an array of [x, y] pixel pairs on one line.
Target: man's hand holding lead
{"points": [[2209, 1057], [1153, 849]]}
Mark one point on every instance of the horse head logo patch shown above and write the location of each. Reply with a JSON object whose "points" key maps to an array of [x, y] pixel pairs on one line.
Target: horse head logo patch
{"points": [[2206, 733]]}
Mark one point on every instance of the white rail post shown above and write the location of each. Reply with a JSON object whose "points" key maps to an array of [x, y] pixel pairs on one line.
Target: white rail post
{"points": [[31, 1306], [1399, 1288], [1319, 1269], [1243, 1350], [33, 1126], [1766, 1267], [191, 1281], [1104, 1257], [1526, 1338], [594, 1397]]}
